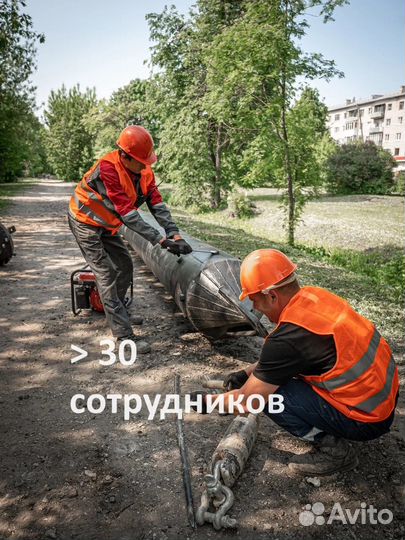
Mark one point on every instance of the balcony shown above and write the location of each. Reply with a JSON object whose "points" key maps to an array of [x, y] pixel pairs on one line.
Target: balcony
{"points": [[378, 114], [376, 129]]}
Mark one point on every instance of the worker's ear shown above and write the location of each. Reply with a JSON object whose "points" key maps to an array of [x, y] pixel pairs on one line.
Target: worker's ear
{"points": [[273, 296]]}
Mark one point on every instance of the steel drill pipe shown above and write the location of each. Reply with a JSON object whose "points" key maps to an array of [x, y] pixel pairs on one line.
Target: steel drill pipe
{"points": [[204, 284]]}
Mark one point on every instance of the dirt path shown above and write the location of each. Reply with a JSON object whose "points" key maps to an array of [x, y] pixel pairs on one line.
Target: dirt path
{"points": [[95, 476]]}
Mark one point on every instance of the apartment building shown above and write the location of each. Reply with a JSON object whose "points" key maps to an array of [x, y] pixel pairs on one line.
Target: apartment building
{"points": [[380, 119]]}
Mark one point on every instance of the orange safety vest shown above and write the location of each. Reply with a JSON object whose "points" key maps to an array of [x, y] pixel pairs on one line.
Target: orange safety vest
{"points": [[363, 383], [87, 205]]}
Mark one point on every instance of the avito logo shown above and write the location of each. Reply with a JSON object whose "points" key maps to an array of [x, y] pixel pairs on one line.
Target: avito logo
{"points": [[313, 514]]}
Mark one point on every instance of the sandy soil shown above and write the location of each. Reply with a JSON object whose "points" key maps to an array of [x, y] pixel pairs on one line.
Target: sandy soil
{"points": [[96, 476]]}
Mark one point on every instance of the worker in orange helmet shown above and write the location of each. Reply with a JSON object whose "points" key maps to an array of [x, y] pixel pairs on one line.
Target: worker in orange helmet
{"points": [[334, 370], [107, 197]]}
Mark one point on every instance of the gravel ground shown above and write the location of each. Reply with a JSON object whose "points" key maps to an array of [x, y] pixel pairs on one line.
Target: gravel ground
{"points": [[95, 476]]}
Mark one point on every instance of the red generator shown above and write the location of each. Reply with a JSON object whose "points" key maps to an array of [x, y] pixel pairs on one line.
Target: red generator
{"points": [[84, 293]]}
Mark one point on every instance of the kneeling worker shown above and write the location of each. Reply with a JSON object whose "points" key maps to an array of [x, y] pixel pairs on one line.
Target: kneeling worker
{"points": [[107, 197], [334, 370]]}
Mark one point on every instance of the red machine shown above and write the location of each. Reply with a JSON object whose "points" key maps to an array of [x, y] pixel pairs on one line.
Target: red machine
{"points": [[84, 293]]}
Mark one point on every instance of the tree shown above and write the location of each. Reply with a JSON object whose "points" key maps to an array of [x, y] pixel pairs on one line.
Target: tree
{"points": [[36, 159], [70, 143], [326, 147], [128, 105], [306, 126], [194, 144], [255, 69], [360, 167], [17, 62]]}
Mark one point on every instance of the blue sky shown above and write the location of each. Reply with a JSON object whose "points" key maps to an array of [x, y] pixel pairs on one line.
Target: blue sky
{"points": [[102, 43]]}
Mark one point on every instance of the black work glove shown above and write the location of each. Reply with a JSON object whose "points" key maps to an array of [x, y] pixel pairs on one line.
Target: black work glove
{"points": [[235, 380], [193, 397], [171, 246], [184, 246]]}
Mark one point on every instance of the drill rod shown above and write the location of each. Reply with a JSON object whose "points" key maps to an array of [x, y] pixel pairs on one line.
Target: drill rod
{"points": [[184, 461]]}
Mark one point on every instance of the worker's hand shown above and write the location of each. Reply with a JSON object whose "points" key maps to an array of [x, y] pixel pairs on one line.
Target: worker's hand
{"points": [[171, 246], [193, 397], [184, 246], [235, 380]]}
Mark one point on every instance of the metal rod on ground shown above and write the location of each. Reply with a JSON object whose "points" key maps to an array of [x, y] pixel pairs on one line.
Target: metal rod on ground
{"points": [[213, 251], [213, 384], [184, 461]]}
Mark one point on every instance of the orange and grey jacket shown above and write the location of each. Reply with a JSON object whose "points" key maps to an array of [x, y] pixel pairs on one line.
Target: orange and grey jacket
{"points": [[363, 383], [91, 204]]}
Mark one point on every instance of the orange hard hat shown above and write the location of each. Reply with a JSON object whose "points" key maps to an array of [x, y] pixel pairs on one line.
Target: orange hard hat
{"points": [[137, 142], [263, 270]]}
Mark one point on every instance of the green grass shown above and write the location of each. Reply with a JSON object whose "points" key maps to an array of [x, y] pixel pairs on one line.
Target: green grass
{"points": [[376, 301], [351, 245], [9, 190], [353, 222], [362, 233]]}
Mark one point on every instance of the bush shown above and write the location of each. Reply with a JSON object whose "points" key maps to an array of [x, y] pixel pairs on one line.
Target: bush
{"points": [[240, 206], [384, 266], [360, 167], [400, 183]]}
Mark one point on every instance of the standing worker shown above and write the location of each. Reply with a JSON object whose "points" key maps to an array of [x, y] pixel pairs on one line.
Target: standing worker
{"points": [[334, 370], [107, 197]]}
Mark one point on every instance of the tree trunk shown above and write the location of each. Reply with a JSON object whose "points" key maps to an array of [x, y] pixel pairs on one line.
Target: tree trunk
{"points": [[216, 187], [289, 171]]}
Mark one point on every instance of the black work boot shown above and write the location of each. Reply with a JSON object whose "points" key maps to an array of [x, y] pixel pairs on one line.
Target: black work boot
{"points": [[142, 347], [329, 455], [135, 319]]}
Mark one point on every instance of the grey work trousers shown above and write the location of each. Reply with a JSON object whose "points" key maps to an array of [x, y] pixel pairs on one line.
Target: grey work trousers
{"points": [[111, 264]]}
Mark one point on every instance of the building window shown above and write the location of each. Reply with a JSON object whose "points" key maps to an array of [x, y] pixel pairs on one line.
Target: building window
{"points": [[399, 119], [396, 152], [388, 122], [361, 112], [387, 137], [401, 105], [337, 116], [389, 106], [398, 136], [345, 114], [370, 110], [336, 129]]}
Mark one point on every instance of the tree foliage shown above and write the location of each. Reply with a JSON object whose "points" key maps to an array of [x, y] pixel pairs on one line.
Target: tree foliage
{"points": [[17, 62], [256, 71], [194, 144], [360, 167], [227, 85], [128, 105], [70, 142]]}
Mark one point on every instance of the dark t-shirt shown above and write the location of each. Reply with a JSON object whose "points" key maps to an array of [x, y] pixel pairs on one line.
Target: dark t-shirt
{"points": [[292, 351]]}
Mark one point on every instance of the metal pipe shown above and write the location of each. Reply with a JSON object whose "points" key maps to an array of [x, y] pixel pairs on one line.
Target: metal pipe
{"points": [[204, 284]]}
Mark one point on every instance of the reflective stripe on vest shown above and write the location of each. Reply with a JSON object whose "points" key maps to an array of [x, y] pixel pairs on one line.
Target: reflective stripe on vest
{"points": [[357, 370], [372, 403], [86, 210]]}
